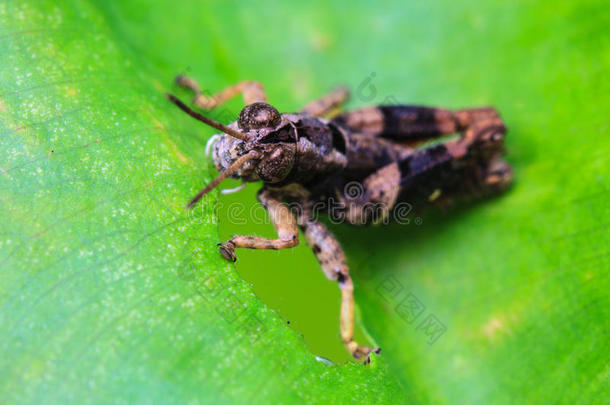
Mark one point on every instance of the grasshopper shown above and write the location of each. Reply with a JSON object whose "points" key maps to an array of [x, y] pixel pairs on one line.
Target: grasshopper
{"points": [[310, 161]]}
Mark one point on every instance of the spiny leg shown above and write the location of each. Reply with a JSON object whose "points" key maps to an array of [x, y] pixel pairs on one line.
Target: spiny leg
{"points": [[283, 221], [332, 260], [327, 103], [251, 91], [406, 122]]}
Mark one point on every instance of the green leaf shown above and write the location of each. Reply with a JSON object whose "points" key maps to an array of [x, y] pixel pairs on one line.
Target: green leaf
{"points": [[110, 291]]}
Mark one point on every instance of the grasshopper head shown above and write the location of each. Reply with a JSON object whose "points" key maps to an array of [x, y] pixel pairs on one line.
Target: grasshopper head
{"points": [[260, 145], [271, 139]]}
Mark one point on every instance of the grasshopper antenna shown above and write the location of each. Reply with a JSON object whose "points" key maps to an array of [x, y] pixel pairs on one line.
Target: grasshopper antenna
{"points": [[206, 120], [248, 156]]}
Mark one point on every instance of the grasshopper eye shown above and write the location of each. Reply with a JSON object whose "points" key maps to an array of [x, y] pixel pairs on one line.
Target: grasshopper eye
{"points": [[258, 115]]}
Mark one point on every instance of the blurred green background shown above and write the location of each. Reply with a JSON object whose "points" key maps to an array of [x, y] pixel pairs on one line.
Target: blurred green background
{"points": [[519, 282]]}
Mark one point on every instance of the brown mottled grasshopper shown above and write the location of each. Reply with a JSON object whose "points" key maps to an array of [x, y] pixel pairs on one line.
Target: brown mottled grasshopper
{"points": [[304, 160]]}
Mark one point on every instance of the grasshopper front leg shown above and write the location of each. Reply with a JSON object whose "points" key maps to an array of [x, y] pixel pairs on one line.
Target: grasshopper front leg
{"points": [[251, 91], [330, 255], [325, 247], [285, 225]]}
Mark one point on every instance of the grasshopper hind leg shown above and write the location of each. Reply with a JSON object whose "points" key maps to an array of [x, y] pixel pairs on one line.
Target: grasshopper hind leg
{"points": [[410, 122], [372, 200]]}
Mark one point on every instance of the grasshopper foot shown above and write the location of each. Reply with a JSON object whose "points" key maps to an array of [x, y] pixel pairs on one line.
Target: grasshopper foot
{"points": [[227, 250], [362, 352]]}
